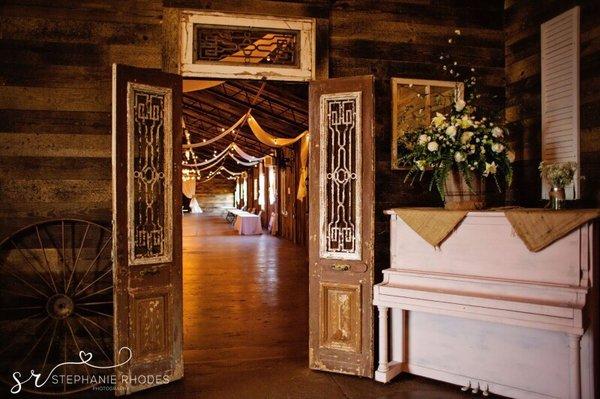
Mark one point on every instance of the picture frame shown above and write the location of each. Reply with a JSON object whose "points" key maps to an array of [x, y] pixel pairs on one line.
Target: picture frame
{"points": [[415, 102]]}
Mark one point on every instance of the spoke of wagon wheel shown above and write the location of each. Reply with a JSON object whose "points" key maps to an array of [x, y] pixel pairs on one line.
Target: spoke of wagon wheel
{"points": [[77, 257], [21, 308], [92, 263], [37, 232], [92, 322], [64, 254], [94, 339], [19, 325], [93, 282], [19, 294], [65, 361], [95, 303], [49, 347], [97, 292], [87, 370], [37, 342], [32, 266], [43, 294], [95, 311]]}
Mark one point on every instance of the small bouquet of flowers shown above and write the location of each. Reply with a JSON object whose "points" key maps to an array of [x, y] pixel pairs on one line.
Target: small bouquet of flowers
{"points": [[558, 174], [458, 142]]}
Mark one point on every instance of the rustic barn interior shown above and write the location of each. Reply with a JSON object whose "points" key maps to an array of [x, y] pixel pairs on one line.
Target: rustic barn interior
{"points": [[368, 284]]}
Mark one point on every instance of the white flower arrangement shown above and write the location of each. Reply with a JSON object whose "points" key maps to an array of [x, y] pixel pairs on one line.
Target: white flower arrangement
{"points": [[457, 141], [558, 174]]}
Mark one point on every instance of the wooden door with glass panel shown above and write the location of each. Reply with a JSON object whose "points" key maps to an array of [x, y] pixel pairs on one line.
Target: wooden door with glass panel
{"points": [[341, 221], [147, 227]]}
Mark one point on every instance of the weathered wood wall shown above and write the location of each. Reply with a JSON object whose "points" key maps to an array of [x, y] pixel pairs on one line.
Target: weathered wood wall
{"points": [[55, 102], [55, 75], [215, 194], [522, 21], [405, 39]]}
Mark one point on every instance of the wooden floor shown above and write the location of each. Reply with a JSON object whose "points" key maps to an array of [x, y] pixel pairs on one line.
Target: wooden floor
{"points": [[246, 323]]}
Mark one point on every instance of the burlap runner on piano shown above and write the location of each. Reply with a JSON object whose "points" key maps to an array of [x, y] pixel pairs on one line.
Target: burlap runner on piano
{"points": [[432, 224], [539, 228]]}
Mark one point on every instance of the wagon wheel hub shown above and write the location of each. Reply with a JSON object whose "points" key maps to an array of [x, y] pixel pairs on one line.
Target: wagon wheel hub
{"points": [[59, 306]]}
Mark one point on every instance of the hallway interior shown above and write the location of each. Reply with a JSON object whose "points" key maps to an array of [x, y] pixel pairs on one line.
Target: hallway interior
{"points": [[246, 324]]}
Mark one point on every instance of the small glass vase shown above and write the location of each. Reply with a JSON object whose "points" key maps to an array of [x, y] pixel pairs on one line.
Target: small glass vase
{"points": [[557, 198]]}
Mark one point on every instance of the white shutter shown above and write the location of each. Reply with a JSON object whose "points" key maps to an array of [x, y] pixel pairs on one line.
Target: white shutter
{"points": [[560, 92]]}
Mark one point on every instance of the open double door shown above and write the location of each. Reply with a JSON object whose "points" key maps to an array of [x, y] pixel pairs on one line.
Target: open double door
{"points": [[147, 248]]}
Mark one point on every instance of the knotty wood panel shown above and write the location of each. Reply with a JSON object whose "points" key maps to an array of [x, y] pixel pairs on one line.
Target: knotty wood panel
{"points": [[523, 93], [55, 98], [215, 194], [404, 39]]}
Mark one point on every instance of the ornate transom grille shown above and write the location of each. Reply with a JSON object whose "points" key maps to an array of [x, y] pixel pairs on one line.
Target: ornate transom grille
{"points": [[238, 45], [149, 159], [340, 174]]}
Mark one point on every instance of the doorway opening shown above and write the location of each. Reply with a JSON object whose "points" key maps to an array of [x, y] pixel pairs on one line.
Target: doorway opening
{"points": [[245, 229]]}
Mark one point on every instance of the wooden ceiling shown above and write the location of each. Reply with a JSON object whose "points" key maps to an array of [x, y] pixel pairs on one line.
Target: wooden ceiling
{"points": [[280, 108]]}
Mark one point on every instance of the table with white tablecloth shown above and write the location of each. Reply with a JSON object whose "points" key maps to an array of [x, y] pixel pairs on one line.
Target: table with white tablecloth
{"points": [[247, 223]]}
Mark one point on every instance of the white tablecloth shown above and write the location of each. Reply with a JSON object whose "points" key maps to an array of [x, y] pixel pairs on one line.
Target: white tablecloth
{"points": [[247, 223]]}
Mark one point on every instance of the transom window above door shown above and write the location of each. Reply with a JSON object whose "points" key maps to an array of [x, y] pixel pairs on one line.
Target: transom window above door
{"points": [[217, 45]]}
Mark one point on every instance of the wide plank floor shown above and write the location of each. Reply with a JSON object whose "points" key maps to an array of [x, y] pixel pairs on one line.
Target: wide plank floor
{"points": [[246, 324]]}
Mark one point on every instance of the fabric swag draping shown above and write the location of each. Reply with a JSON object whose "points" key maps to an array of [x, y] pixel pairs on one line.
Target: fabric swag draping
{"points": [[269, 139], [220, 136]]}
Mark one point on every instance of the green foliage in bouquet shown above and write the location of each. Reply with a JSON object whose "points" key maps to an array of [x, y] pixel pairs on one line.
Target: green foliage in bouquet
{"points": [[457, 141]]}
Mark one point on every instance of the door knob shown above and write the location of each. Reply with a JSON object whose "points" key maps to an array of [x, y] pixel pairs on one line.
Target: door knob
{"points": [[340, 267]]}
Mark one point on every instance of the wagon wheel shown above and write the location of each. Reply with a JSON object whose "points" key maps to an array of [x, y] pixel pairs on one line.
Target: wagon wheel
{"points": [[55, 301]]}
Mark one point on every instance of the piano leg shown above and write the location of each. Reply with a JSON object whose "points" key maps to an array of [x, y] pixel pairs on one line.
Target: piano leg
{"points": [[575, 366], [383, 344]]}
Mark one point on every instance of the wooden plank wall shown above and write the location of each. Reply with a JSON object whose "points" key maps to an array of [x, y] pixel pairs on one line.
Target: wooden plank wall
{"points": [[522, 21], [404, 39], [55, 102], [215, 194]]}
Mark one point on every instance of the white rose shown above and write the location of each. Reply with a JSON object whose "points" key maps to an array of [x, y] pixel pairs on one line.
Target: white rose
{"points": [[451, 131], [497, 147], [511, 156], [465, 137], [497, 132], [490, 168], [424, 139], [459, 105], [459, 156], [432, 146], [438, 120]]}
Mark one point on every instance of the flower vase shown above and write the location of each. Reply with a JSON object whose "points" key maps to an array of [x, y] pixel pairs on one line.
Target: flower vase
{"points": [[458, 195], [557, 198]]}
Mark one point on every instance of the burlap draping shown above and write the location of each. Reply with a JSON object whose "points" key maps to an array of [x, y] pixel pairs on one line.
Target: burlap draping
{"points": [[269, 139], [539, 228], [434, 225], [302, 183]]}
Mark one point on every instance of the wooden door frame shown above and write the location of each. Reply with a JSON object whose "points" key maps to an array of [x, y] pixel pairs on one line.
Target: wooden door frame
{"points": [[173, 43]]}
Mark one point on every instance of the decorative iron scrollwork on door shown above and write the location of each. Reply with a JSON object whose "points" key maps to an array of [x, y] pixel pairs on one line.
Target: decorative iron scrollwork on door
{"points": [[149, 174], [238, 45], [340, 176]]}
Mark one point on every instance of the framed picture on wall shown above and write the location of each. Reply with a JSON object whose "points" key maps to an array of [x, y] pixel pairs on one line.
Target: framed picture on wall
{"points": [[415, 102]]}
